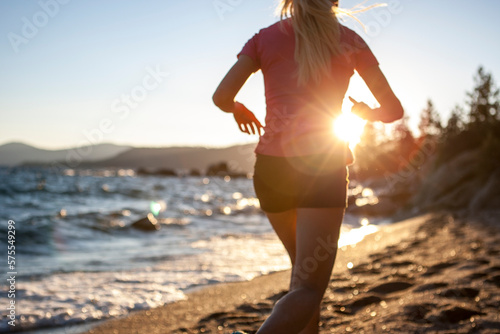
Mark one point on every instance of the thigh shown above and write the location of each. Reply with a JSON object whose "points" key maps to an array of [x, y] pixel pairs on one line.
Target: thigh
{"points": [[316, 246], [284, 224]]}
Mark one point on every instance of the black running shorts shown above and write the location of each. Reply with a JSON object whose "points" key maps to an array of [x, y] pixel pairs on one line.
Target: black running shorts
{"points": [[314, 181]]}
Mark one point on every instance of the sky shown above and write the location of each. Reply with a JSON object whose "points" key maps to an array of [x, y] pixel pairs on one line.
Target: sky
{"points": [[142, 72]]}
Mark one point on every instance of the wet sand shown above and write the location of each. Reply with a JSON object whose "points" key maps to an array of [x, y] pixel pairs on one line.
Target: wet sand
{"points": [[430, 274]]}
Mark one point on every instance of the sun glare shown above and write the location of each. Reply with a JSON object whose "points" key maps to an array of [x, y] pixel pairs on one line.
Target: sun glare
{"points": [[349, 127]]}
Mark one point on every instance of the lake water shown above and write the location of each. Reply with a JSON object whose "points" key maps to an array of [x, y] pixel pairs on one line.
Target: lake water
{"points": [[78, 259]]}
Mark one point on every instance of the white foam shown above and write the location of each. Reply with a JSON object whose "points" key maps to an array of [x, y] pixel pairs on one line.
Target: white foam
{"points": [[68, 298]]}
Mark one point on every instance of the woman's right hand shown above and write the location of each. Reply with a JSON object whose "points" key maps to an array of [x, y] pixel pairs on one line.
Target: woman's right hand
{"points": [[246, 120]]}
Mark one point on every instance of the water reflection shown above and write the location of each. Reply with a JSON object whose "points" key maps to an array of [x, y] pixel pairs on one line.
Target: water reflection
{"points": [[366, 196], [355, 235]]}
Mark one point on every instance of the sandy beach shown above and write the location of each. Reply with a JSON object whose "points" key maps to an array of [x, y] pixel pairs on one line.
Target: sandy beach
{"points": [[431, 274]]}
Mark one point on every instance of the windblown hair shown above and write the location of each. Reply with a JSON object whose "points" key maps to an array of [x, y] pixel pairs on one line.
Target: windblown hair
{"points": [[317, 36]]}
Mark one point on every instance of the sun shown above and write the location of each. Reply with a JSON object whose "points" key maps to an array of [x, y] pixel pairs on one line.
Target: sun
{"points": [[349, 127]]}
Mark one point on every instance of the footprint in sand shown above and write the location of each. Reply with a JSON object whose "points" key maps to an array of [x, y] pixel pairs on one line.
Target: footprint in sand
{"points": [[493, 269], [454, 315], [365, 301], [415, 244], [494, 280], [397, 275], [469, 293], [417, 312], [430, 286], [343, 289], [484, 273], [348, 287], [482, 261], [277, 296], [258, 308], [354, 306], [437, 268], [213, 316], [366, 268], [341, 278], [377, 257], [493, 252], [475, 276], [399, 264], [390, 287], [226, 318], [473, 264]]}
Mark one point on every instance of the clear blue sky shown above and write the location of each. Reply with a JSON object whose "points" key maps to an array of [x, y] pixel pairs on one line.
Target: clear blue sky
{"points": [[65, 70]]}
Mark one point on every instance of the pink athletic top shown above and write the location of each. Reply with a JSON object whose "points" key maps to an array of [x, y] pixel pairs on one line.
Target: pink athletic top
{"points": [[299, 118]]}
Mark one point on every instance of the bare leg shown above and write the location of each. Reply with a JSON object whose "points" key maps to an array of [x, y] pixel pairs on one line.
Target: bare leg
{"points": [[313, 325], [317, 232], [284, 224]]}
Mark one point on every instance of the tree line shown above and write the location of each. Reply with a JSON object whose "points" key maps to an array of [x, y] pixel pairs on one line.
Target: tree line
{"points": [[474, 126]]}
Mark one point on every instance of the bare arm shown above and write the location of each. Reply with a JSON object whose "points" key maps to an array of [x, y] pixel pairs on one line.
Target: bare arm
{"points": [[390, 108], [228, 89]]}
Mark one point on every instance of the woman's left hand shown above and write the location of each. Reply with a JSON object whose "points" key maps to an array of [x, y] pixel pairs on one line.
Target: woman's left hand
{"points": [[362, 110], [247, 122]]}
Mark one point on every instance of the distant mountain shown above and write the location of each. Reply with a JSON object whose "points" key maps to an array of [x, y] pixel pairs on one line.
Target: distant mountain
{"points": [[16, 153], [240, 158]]}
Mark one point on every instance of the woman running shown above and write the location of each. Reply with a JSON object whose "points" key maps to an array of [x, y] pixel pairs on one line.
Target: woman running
{"points": [[300, 176]]}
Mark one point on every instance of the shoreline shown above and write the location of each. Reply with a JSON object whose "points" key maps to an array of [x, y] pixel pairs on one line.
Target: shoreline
{"points": [[206, 302], [434, 273]]}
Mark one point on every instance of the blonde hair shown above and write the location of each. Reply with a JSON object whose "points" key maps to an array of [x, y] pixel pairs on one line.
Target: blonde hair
{"points": [[317, 34]]}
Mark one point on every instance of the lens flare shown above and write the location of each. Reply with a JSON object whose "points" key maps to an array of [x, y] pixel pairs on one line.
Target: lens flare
{"points": [[157, 207], [349, 127]]}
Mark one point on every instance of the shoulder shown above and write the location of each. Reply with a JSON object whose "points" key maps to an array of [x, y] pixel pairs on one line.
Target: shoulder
{"points": [[277, 35], [349, 34], [280, 27], [351, 38], [347, 31]]}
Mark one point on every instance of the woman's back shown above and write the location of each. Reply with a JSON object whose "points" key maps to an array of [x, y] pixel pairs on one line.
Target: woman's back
{"points": [[299, 117]]}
